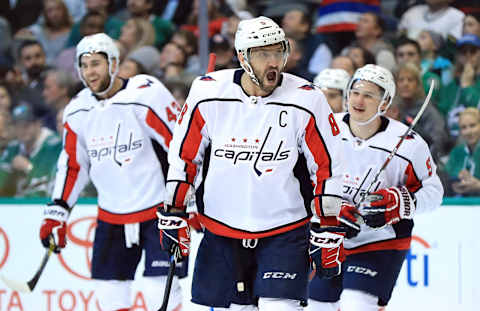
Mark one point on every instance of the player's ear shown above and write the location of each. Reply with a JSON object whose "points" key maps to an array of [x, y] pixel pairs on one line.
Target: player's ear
{"points": [[240, 57]]}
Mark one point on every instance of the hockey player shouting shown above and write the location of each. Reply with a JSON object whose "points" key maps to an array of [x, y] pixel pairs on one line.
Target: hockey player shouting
{"points": [[115, 133], [409, 184], [252, 126]]}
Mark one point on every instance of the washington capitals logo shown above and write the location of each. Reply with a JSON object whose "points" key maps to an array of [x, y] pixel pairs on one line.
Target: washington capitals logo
{"points": [[307, 87], [207, 78], [147, 84]]}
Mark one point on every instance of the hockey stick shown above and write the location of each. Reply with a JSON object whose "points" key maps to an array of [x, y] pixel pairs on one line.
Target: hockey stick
{"points": [[30, 285], [394, 151], [171, 269]]}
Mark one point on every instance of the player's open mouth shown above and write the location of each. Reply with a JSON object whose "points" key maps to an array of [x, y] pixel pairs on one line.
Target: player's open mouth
{"points": [[358, 109], [272, 76]]}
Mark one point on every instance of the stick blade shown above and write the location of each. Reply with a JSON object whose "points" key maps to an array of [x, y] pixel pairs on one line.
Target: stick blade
{"points": [[16, 285]]}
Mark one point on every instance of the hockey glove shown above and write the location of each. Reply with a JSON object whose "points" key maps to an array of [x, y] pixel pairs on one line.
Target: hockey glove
{"points": [[174, 233], [54, 225], [326, 250], [348, 220], [388, 206]]}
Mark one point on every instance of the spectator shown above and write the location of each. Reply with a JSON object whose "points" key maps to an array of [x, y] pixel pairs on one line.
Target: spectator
{"points": [[430, 43], [22, 13], [224, 51], [27, 164], [188, 41], [6, 35], [294, 63], [431, 125], [215, 18], [369, 34], [359, 55], [140, 61], [93, 22], [135, 33], [434, 15], [33, 60], [408, 51], [345, 63], [172, 64], [6, 132], [229, 28], [179, 91], [5, 99], [316, 54], [471, 24], [57, 93], [337, 20], [53, 31], [463, 166], [112, 26], [333, 83], [464, 90]]}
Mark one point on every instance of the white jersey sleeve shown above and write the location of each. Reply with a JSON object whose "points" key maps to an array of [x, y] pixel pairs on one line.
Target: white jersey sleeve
{"points": [[323, 150]]}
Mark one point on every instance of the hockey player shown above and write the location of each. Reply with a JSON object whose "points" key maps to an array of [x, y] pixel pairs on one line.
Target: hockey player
{"points": [[255, 128], [116, 133], [409, 184], [333, 83]]}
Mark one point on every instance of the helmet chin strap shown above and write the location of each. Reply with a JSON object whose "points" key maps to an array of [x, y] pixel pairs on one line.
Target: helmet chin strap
{"points": [[249, 70]]}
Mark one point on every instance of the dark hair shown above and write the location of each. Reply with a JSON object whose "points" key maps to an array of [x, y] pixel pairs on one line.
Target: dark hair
{"points": [[27, 43], [406, 41], [380, 21], [90, 14]]}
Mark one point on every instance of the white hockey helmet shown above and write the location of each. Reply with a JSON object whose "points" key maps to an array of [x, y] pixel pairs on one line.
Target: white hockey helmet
{"points": [[99, 43], [332, 79], [381, 77], [257, 32]]}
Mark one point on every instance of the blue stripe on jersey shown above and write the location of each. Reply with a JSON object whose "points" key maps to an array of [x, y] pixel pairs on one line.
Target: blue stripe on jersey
{"points": [[354, 7]]}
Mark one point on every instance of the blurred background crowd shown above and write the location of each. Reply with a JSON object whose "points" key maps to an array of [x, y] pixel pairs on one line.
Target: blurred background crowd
{"points": [[419, 41]]}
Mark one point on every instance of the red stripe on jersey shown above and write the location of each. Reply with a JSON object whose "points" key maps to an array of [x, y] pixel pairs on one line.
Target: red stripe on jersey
{"points": [[72, 164], [191, 144], [223, 230], [130, 218], [337, 27], [180, 195], [159, 126], [397, 244], [413, 183], [320, 155]]}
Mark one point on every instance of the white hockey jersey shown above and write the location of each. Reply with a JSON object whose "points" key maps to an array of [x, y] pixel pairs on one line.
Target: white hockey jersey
{"points": [[117, 143], [412, 166], [250, 190]]}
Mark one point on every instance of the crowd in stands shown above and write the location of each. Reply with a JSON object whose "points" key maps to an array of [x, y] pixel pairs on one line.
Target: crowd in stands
{"points": [[419, 41]]}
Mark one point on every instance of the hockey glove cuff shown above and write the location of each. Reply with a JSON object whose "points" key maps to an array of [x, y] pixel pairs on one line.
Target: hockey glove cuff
{"points": [[174, 234], [54, 225], [326, 250]]}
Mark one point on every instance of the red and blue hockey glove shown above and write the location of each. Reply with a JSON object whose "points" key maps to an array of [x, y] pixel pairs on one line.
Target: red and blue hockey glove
{"points": [[54, 225], [388, 206], [174, 233], [326, 250], [348, 218]]}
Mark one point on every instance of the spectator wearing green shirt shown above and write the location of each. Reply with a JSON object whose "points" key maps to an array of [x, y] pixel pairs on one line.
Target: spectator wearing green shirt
{"points": [[463, 166], [464, 90], [27, 164]]}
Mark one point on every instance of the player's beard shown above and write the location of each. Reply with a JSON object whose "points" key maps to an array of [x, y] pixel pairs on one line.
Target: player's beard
{"points": [[268, 85], [104, 84]]}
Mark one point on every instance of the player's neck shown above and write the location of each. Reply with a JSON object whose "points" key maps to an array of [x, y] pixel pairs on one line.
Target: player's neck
{"points": [[365, 131], [117, 85], [250, 87]]}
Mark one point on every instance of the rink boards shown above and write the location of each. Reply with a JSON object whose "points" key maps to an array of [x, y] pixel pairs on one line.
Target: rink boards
{"points": [[438, 274]]}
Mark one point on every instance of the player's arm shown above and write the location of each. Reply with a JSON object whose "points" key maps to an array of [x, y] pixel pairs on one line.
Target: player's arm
{"points": [[421, 191], [322, 147], [71, 178], [187, 150]]}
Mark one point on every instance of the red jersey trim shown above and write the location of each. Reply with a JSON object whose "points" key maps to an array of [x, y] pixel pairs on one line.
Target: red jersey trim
{"points": [[397, 244], [223, 230], [413, 182], [130, 218], [159, 126], [191, 144], [72, 163]]}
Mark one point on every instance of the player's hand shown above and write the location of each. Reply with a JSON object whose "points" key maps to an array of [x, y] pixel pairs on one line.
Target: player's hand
{"points": [[174, 233], [326, 250], [54, 227], [388, 206], [348, 218]]}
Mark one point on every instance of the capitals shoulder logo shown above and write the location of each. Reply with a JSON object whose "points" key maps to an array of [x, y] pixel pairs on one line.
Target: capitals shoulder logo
{"points": [[254, 151], [206, 78]]}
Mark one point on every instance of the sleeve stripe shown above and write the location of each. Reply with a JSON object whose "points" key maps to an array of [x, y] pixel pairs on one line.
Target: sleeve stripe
{"points": [[413, 183], [180, 193], [72, 165], [320, 154], [191, 144], [154, 121]]}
